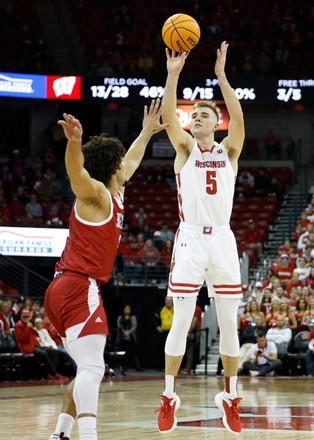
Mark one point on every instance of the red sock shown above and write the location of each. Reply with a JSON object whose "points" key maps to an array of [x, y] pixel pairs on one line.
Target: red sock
{"points": [[227, 384]]}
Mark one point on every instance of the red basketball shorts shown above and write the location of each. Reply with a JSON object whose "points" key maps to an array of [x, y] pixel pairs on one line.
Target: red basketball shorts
{"points": [[74, 306]]}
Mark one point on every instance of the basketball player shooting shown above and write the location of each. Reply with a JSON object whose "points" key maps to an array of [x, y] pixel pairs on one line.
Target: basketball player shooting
{"points": [[205, 247], [98, 172]]}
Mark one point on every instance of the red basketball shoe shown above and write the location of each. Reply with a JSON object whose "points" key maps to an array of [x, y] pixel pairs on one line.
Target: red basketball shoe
{"points": [[166, 418], [230, 412]]}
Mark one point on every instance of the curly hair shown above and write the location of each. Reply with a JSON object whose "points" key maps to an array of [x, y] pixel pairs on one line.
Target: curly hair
{"points": [[102, 156], [209, 104]]}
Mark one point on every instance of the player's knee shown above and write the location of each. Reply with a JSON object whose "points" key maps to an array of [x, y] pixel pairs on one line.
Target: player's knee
{"points": [[176, 340], [229, 344], [182, 324], [91, 373]]}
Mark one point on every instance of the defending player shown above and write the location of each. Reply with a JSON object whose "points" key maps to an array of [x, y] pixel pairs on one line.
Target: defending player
{"points": [[205, 247], [98, 172]]}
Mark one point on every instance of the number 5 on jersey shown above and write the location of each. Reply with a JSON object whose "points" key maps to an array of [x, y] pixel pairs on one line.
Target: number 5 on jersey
{"points": [[211, 183]]}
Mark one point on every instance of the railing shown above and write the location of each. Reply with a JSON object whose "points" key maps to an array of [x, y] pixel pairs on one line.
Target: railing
{"points": [[127, 272], [133, 273], [21, 278]]}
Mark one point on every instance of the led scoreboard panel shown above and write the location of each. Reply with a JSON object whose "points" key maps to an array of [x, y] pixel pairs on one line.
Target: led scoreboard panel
{"points": [[142, 89], [190, 89]]}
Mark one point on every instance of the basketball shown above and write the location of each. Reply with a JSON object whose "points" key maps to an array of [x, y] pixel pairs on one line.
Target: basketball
{"points": [[181, 32]]}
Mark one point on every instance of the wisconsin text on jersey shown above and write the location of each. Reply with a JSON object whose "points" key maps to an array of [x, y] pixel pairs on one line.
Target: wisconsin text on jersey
{"points": [[210, 164]]}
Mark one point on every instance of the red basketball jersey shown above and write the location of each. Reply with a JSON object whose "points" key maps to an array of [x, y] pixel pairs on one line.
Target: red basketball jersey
{"points": [[91, 248]]}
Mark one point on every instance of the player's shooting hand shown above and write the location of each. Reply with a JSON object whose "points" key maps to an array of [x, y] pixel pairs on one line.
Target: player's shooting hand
{"points": [[221, 59], [152, 115], [175, 60], [72, 128]]}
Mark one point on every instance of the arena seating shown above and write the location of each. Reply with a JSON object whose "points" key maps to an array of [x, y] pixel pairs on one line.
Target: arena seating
{"points": [[131, 27], [160, 202]]}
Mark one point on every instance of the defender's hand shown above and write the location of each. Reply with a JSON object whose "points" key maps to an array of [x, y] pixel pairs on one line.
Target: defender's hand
{"points": [[72, 128]]}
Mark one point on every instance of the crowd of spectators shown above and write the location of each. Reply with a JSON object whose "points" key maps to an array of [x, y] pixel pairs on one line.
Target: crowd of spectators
{"points": [[24, 47], [125, 38], [33, 190], [277, 308], [24, 321], [264, 44], [272, 312]]}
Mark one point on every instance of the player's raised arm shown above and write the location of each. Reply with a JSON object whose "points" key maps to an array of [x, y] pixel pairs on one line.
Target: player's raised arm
{"points": [[83, 186], [235, 138], [151, 126], [178, 137]]}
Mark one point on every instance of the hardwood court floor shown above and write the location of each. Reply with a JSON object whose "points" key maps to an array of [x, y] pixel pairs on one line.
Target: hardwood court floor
{"points": [[277, 408]]}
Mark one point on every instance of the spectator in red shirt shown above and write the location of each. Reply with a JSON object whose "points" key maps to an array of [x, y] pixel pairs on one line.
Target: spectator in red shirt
{"points": [[139, 220], [294, 282], [27, 341], [150, 258], [252, 234], [284, 269], [132, 266]]}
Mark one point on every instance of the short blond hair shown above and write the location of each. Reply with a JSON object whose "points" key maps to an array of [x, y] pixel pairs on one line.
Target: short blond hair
{"points": [[209, 104]]}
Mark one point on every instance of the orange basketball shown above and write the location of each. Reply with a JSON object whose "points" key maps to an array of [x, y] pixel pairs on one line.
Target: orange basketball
{"points": [[181, 32]]}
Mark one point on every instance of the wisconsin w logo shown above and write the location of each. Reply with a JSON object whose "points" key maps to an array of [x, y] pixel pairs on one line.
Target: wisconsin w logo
{"points": [[64, 85]]}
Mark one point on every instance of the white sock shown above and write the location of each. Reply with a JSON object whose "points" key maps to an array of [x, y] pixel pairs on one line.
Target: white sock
{"points": [[169, 386], [87, 428], [65, 424]]}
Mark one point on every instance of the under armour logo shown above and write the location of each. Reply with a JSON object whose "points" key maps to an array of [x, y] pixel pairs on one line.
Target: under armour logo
{"points": [[98, 319]]}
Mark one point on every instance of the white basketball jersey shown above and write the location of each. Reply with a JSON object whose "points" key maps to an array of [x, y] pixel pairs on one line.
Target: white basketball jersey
{"points": [[205, 187]]}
